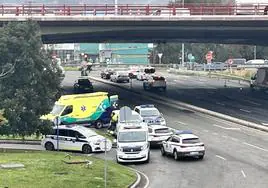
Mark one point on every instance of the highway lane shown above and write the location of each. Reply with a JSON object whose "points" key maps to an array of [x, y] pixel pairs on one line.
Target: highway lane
{"points": [[236, 156], [236, 99]]}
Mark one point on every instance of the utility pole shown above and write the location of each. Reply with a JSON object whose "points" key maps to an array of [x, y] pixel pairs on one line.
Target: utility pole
{"points": [[255, 52], [182, 45]]}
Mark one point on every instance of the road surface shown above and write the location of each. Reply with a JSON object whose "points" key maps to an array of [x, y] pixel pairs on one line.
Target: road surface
{"points": [[236, 156]]}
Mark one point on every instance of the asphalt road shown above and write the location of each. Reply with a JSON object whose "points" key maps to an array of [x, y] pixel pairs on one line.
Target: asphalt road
{"points": [[237, 100], [236, 156]]}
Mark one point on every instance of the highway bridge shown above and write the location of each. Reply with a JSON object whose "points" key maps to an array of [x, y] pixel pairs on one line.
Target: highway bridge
{"points": [[142, 23]]}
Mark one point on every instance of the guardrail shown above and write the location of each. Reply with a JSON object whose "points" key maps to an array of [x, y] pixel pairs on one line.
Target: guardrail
{"points": [[131, 10]]}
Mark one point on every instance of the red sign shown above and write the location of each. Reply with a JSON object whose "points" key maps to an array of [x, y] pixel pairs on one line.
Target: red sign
{"points": [[230, 61], [209, 57]]}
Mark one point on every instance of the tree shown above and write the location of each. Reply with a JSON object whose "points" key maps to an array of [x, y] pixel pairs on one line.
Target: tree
{"points": [[29, 90]]}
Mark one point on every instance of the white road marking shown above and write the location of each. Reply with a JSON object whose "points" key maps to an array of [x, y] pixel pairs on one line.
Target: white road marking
{"points": [[180, 122], [264, 124], [224, 136], [234, 139], [243, 110], [175, 80], [253, 102], [220, 103], [255, 146], [206, 131], [227, 128], [243, 173], [215, 133], [221, 157]]}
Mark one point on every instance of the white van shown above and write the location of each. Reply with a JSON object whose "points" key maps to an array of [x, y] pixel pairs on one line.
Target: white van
{"points": [[133, 144]]}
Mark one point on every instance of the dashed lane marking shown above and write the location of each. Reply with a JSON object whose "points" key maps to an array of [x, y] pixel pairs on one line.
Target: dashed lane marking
{"points": [[243, 110], [180, 122], [257, 147], [243, 173], [220, 103], [227, 128], [220, 157]]}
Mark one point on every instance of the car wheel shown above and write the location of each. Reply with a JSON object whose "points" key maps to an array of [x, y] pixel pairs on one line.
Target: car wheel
{"points": [[201, 157], [87, 149], [49, 146], [175, 155], [162, 151], [99, 125]]}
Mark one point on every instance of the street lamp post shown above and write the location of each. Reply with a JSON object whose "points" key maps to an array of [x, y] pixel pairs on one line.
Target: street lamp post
{"points": [[115, 7], [182, 45]]}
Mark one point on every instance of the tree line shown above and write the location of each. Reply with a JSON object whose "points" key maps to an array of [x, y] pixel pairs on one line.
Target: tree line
{"points": [[172, 52], [29, 81]]}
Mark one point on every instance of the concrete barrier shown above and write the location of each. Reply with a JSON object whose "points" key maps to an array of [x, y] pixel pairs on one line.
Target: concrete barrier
{"points": [[177, 104]]}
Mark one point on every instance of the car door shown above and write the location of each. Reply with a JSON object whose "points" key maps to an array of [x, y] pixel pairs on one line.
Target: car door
{"points": [[167, 145], [62, 139], [73, 142]]}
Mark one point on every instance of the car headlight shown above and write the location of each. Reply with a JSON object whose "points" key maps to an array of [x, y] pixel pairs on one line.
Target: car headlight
{"points": [[119, 148], [144, 147]]}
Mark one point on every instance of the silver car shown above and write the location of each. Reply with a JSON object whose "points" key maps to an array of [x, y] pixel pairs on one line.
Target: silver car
{"points": [[120, 76]]}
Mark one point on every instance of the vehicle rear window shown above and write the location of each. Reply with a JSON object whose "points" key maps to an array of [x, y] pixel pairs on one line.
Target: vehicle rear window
{"points": [[159, 78], [163, 130], [190, 141], [84, 82]]}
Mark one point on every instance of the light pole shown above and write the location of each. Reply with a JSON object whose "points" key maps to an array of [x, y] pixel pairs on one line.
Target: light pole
{"points": [[255, 52], [115, 7], [182, 45]]}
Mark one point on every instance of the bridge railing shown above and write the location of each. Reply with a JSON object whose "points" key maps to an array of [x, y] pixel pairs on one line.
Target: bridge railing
{"points": [[132, 10]]}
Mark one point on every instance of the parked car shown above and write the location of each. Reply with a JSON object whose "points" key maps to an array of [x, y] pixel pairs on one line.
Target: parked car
{"points": [[83, 85], [120, 76]]}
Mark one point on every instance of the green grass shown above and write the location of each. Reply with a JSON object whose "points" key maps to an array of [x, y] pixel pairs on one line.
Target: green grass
{"points": [[46, 169], [71, 68]]}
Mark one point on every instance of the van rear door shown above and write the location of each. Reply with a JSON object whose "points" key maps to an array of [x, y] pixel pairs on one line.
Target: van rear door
{"points": [[114, 101]]}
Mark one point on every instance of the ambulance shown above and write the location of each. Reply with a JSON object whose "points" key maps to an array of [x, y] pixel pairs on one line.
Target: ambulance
{"points": [[92, 109]]}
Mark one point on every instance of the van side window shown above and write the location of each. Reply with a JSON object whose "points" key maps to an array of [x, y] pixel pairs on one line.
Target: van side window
{"points": [[67, 110]]}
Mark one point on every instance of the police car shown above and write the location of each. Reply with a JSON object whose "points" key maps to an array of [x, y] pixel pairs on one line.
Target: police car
{"points": [[150, 114], [76, 138], [158, 133], [182, 144]]}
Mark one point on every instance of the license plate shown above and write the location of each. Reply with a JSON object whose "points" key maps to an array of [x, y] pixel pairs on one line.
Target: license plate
{"points": [[131, 156], [194, 153]]}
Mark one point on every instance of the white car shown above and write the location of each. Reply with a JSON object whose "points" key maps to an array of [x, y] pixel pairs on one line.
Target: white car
{"points": [[150, 114], [158, 133], [183, 144], [155, 82], [76, 138]]}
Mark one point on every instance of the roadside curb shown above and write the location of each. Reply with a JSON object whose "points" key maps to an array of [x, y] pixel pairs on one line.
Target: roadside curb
{"points": [[137, 181], [177, 104], [9, 141]]}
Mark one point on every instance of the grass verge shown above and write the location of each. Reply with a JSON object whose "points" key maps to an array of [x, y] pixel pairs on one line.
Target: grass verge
{"points": [[71, 68], [16, 137], [46, 169]]}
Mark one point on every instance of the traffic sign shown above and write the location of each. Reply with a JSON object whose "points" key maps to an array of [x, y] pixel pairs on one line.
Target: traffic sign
{"points": [[209, 57], [230, 61]]}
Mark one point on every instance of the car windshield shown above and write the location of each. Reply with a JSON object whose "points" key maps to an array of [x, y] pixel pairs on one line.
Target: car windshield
{"points": [[190, 141], [57, 109], [132, 136], [84, 82], [162, 130], [150, 112]]}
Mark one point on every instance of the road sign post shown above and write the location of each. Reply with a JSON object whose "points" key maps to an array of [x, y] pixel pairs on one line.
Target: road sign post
{"points": [[160, 57], [57, 122]]}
